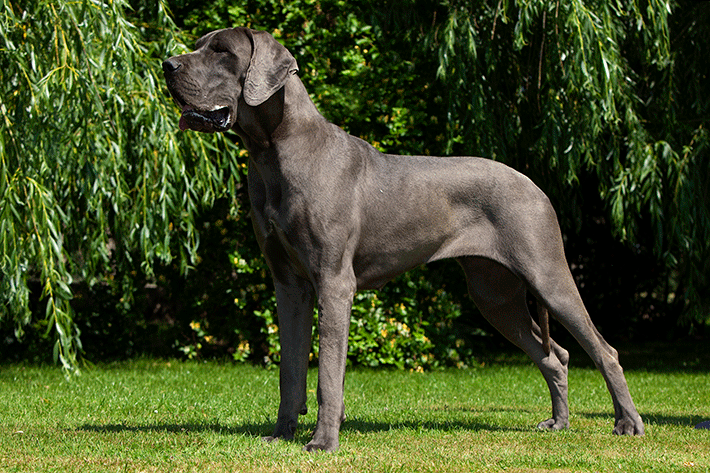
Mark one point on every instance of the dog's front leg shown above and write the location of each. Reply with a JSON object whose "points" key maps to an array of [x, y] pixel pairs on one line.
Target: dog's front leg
{"points": [[294, 302], [334, 305]]}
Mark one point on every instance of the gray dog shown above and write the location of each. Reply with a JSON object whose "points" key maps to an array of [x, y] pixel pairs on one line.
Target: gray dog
{"points": [[333, 216]]}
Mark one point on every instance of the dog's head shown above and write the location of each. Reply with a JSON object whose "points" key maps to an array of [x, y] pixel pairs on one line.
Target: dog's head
{"points": [[228, 67]]}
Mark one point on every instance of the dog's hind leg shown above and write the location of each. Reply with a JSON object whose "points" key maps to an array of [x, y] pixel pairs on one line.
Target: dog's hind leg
{"points": [[557, 291], [501, 298]]}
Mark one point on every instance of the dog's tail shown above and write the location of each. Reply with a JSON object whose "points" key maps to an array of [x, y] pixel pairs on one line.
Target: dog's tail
{"points": [[544, 317]]}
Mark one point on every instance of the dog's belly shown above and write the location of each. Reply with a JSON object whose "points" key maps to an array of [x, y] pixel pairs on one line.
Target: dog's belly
{"points": [[386, 252], [375, 269]]}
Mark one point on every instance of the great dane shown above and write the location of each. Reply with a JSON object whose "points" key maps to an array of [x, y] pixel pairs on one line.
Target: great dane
{"points": [[333, 215]]}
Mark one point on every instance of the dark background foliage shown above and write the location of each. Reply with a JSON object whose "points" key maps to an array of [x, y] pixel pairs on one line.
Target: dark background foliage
{"points": [[604, 105]]}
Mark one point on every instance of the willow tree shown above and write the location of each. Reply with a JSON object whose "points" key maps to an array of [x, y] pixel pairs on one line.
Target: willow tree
{"points": [[94, 179], [611, 91]]}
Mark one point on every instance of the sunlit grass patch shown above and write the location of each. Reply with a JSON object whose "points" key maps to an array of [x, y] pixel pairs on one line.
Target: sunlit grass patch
{"points": [[154, 415]]}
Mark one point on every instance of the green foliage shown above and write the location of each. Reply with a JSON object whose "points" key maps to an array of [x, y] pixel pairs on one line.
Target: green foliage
{"points": [[407, 325], [118, 228], [95, 184], [580, 90]]}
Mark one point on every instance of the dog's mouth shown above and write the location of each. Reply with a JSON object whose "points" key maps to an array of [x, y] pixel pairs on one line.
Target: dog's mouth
{"points": [[208, 121]]}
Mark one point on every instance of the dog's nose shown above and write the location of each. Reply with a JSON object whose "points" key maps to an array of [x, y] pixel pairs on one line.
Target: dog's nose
{"points": [[171, 65]]}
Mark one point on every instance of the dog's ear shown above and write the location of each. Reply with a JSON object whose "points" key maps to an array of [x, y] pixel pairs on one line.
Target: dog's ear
{"points": [[270, 66]]}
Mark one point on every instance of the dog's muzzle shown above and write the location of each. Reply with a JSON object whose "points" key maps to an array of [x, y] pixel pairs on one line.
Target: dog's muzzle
{"points": [[216, 119]]}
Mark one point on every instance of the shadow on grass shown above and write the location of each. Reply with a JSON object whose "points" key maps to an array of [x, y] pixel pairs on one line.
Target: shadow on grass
{"points": [[662, 419], [651, 418], [259, 429], [363, 426], [360, 426], [266, 428]]}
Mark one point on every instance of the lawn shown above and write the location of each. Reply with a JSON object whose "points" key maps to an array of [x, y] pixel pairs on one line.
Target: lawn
{"points": [[174, 416]]}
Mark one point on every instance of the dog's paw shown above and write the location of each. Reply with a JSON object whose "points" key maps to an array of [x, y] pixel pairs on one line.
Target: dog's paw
{"points": [[285, 429], [326, 446], [325, 439], [629, 426], [552, 424]]}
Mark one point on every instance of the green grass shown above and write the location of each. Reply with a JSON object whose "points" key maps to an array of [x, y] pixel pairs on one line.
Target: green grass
{"points": [[172, 416]]}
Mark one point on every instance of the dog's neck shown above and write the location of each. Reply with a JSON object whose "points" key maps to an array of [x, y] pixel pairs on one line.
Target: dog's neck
{"points": [[260, 126], [297, 103]]}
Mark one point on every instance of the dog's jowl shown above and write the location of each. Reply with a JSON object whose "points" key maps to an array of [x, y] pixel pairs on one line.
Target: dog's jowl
{"points": [[333, 216]]}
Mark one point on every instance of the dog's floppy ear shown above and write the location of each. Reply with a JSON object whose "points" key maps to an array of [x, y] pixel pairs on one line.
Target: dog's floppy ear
{"points": [[270, 66]]}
